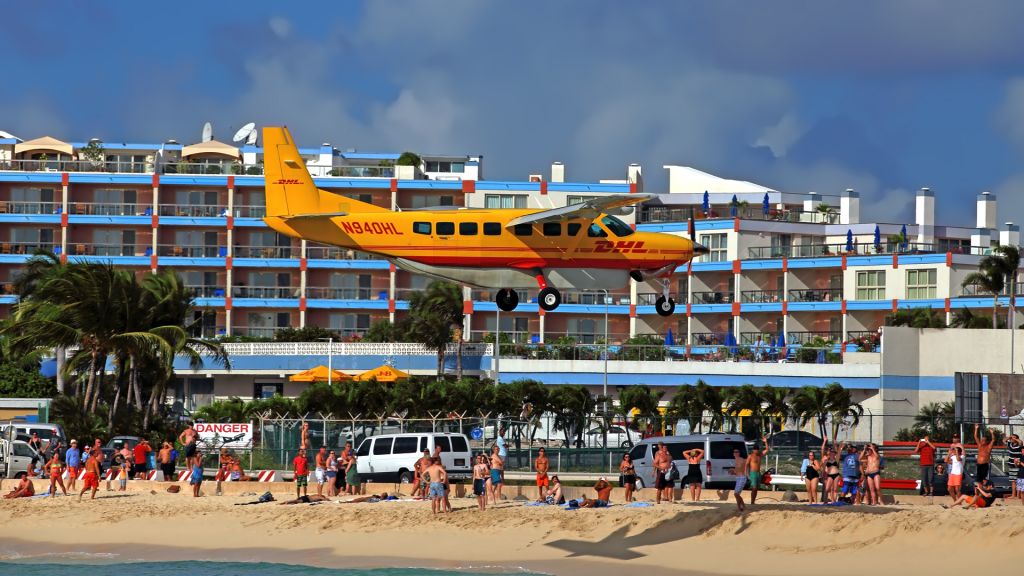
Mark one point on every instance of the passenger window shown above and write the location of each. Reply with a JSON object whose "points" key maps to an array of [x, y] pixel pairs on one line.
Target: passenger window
{"points": [[492, 229], [459, 444], [445, 228], [723, 450], [523, 230], [638, 452], [382, 446], [573, 228], [552, 229], [364, 448], [421, 228], [423, 443], [404, 445], [595, 231], [443, 442], [467, 228], [677, 449]]}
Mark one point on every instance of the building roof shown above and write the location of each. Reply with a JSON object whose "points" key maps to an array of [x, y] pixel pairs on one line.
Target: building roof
{"points": [[687, 179], [44, 143], [211, 147]]}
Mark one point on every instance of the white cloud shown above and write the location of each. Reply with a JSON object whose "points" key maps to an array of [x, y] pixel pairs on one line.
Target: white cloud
{"points": [[781, 135], [281, 27]]}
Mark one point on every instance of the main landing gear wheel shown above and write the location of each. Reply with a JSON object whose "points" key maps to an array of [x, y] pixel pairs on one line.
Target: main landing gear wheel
{"points": [[507, 299], [549, 299], [665, 306]]}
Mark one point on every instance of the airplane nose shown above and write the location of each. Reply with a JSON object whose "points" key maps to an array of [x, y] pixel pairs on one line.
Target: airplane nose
{"points": [[700, 249]]}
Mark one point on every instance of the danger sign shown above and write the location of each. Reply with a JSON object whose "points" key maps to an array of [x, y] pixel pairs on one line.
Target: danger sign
{"points": [[229, 435]]}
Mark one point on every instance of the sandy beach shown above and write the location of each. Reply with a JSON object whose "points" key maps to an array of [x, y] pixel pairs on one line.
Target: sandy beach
{"points": [[703, 538]]}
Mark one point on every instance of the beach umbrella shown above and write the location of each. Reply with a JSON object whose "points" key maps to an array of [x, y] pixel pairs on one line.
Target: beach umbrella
{"points": [[706, 206], [849, 240], [734, 206], [319, 374], [764, 204], [670, 340], [383, 374], [903, 234], [878, 236], [821, 357]]}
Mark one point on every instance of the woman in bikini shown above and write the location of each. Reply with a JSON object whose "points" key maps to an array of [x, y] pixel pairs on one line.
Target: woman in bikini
{"points": [[832, 473], [332, 473], [56, 469], [693, 476], [628, 473], [810, 469]]}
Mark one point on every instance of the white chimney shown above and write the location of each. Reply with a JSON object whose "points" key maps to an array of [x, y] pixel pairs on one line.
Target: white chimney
{"points": [[1010, 235], [981, 238], [986, 211], [558, 172], [849, 207], [635, 175], [925, 216], [811, 204]]}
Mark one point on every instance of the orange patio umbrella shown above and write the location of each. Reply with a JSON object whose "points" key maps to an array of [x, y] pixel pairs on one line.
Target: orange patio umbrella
{"points": [[319, 374], [383, 374]]}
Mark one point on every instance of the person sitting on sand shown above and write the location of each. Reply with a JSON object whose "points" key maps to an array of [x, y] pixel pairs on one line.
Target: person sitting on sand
{"points": [[983, 496], [588, 503], [554, 493], [604, 491], [24, 489]]}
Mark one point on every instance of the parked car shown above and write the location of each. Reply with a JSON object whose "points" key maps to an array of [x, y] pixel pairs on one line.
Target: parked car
{"points": [[115, 444], [618, 437], [46, 432], [792, 441], [16, 458], [392, 457], [718, 457]]}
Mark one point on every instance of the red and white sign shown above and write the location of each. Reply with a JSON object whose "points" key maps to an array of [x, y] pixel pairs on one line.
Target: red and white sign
{"points": [[229, 435], [266, 476]]}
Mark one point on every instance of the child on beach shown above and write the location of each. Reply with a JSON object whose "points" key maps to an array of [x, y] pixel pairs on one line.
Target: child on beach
{"points": [[197, 474]]}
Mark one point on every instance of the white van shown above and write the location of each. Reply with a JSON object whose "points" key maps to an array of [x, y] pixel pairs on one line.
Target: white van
{"points": [[392, 457], [16, 458], [47, 432], [717, 457]]}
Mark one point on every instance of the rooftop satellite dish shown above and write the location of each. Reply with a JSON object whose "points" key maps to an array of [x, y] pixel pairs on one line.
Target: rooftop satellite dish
{"points": [[246, 133], [251, 140], [207, 132]]}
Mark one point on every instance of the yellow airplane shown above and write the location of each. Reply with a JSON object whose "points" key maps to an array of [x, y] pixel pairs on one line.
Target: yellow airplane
{"points": [[582, 246]]}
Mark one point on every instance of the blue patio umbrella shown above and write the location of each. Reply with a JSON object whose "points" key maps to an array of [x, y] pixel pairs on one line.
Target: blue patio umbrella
{"points": [[821, 357], [670, 340], [764, 204], [903, 234], [730, 341], [706, 206], [849, 240], [733, 206], [878, 236]]}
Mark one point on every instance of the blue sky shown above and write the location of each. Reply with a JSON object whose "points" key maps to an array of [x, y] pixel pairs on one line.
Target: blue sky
{"points": [[883, 97]]}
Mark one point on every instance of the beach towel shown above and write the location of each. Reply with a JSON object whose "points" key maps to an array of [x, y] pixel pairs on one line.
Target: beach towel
{"points": [[536, 504], [638, 505], [840, 503]]}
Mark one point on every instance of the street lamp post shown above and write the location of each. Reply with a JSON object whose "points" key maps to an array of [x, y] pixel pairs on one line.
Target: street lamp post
{"points": [[497, 348], [330, 358]]}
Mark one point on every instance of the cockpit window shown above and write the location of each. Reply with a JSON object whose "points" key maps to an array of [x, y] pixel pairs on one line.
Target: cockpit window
{"points": [[617, 227], [596, 231]]}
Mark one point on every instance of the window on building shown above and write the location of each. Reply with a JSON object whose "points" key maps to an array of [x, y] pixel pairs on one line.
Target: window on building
{"points": [[552, 228], [584, 330], [445, 228], [492, 229], [954, 245], [445, 166], [31, 201], [350, 323], [523, 230], [419, 201], [570, 200], [504, 201], [468, 228], [921, 283], [364, 198], [871, 285], [421, 228], [718, 246], [41, 236]]}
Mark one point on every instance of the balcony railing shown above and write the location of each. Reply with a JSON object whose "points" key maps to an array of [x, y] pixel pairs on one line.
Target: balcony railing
{"points": [[649, 298], [257, 331], [25, 247], [711, 297], [206, 291], [761, 296], [807, 337], [76, 166], [193, 210], [709, 338], [79, 249], [265, 252], [106, 209], [265, 291], [335, 253], [758, 338], [21, 207], [507, 337], [327, 293], [225, 167], [363, 171], [650, 214], [191, 251], [250, 211], [816, 295]]}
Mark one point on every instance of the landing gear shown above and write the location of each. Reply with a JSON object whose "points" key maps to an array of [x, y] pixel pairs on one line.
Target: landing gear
{"points": [[507, 299], [665, 306], [549, 299]]}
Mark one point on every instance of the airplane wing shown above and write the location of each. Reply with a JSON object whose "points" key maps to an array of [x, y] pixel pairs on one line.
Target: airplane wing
{"points": [[317, 215], [589, 209]]}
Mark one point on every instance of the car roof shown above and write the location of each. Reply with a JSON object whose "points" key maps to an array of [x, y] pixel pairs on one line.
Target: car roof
{"points": [[417, 434]]}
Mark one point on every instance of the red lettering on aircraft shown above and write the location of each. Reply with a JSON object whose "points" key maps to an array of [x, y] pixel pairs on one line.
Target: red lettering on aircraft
{"points": [[286, 181], [347, 228], [622, 247], [370, 228]]}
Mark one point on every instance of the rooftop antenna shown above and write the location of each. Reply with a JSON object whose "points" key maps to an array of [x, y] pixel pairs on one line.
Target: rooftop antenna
{"points": [[207, 132], [246, 133]]}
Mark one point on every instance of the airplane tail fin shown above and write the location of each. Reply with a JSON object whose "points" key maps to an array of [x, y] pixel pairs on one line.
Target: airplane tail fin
{"points": [[290, 190]]}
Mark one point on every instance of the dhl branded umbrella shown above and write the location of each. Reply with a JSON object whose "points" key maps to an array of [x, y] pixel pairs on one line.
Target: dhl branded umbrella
{"points": [[383, 374], [319, 374]]}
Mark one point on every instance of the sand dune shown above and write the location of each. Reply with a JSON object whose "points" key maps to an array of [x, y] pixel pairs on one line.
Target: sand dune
{"points": [[704, 538]]}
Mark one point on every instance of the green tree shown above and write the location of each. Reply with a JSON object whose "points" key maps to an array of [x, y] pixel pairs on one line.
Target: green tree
{"points": [[994, 271], [16, 382], [386, 331], [832, 402], [775, 405], [307, 334], [571, 406], [435, 314], [409, 159], [745, 398], [937, 420], [642, 399], [916, 318]]}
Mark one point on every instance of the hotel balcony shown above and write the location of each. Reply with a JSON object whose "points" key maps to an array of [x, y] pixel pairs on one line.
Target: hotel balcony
{"points": [[265, 252], [193, 210], [711, 297], [321, 252], [7, 207], [659, 214], [91, 249], [26, 247], [206, 291], [107, 209], [37, 165], [761, 296], [265, 292], [327, 293], [191, 251], [250, 211], [649, 298], [816, 295]]}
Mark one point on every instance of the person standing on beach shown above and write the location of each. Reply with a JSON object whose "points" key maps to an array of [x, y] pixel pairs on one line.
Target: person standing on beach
{"points": [[332, 473], [304, 436], [141, 452], [480, 474], [419, 479], [438, 478], [1019, 481], [628, 472], [541, 465], [955, 462], [693, 475], [55, 467], [196, 480], [321, 470], [352, 481], [1013, 456], [662, 464], [739, 470], [754, 468], [166, 464], [91, 481], [810, 470], [301, 467], [985, 444], [188, 438], [851, 471], [873, 474], [503, 452], [74, 459], [497, 468], [927, 451]]}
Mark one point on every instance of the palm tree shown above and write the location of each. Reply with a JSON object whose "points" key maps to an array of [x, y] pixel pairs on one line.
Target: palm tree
{"points": [[916, 318], [813, 403], [640, 398], [964, 318], [685, 404], [435, 314], [709, 399], [935, 418], [571, 406], [775, 405], [994, 271]]}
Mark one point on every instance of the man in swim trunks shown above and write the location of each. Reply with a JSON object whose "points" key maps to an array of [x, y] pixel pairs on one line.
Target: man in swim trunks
{"points": [[73, 457], [24, 489], [541, 465], [984, 457], [480, 475], [497, 467], [754, 474], [604, 492], [91, 481], [663, 485], [188, 439], [321, 470], [164, 459], [739, 470], [438, 478], [301, 467], [419, 480], [851, 471]]}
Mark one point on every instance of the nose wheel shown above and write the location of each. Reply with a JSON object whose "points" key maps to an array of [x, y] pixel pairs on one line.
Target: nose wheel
{"points": [[549, 299], [507, 299], [665, 306]]}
